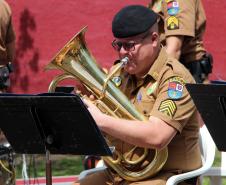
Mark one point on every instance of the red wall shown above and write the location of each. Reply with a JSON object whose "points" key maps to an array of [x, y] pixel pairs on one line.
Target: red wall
{"points": [[215, 37], [44, 27]]}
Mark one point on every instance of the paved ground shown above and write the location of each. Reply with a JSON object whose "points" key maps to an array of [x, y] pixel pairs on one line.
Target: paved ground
{"points": [[66, 180]]}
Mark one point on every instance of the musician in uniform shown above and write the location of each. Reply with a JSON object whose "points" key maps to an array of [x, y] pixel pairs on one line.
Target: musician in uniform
{"points": [[182, 25], [7, 45], [7, 48], [7, 52], [155, 83]]}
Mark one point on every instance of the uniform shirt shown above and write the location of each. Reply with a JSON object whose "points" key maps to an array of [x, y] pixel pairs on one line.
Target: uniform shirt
{"points": [[187, 18], [7, 34], [162, 93]]}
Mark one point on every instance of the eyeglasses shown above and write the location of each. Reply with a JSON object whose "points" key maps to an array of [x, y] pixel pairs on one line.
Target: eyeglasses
{"points": [[128, 46]]}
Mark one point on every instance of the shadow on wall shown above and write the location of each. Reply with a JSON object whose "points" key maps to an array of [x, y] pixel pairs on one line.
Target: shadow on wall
{"points": [[25, 48]]}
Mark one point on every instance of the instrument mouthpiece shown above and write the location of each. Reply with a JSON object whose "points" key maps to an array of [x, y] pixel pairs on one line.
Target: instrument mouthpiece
{"points": [[125, 60]]}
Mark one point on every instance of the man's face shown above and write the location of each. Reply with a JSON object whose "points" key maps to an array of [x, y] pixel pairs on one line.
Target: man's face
{"points": [[140, 51]]}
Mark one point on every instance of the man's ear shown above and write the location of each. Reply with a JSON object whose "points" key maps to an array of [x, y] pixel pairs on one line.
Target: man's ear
{"points": [[155, 38]]}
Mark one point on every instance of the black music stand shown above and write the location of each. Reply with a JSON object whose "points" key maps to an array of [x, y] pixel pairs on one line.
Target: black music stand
{"points": [[50, 123], [64, 89], [210, 100]]}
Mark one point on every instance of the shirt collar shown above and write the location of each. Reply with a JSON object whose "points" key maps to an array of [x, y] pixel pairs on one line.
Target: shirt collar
{"points": [[158, 64]]}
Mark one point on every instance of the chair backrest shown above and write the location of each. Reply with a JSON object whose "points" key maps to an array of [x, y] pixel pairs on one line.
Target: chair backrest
{"points": [[223, 160], [207, 147]]}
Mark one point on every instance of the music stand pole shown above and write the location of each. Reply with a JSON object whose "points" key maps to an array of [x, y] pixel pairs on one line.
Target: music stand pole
{"points": [[48, 169]]}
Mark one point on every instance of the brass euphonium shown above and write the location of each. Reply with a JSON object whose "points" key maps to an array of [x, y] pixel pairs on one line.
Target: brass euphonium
{"points": [[75, 60]]}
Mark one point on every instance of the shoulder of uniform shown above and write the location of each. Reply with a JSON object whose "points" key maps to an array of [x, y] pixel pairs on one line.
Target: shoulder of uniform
{"points": [[175, 69]]}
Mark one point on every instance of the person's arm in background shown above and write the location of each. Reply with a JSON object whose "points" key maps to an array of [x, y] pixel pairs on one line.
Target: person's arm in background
{"points": [[9, 32], [10, 42], [10, 48], [174, 45]]}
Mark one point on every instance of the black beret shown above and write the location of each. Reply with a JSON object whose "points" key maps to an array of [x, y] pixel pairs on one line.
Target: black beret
{"points": [[133, 20]]}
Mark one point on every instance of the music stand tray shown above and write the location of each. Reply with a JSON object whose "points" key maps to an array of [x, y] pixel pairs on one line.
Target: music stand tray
{"points": [[210, 100]]}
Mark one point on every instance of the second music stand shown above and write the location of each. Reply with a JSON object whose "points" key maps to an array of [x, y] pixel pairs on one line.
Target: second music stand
{"points": [[210, 101]]}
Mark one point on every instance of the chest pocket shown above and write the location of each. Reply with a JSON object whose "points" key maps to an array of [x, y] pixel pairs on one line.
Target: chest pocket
{"points": [[144, 103]]}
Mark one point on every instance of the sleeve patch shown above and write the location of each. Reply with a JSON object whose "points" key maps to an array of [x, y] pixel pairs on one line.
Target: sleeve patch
{"points": [[168, 107], [172, 23], [175, 88], [173, 7]]}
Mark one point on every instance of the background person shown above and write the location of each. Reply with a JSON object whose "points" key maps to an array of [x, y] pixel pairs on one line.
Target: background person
{"points": [[7, 49], [7, 52], [155, 84], [182, 26], [7, 45]]}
